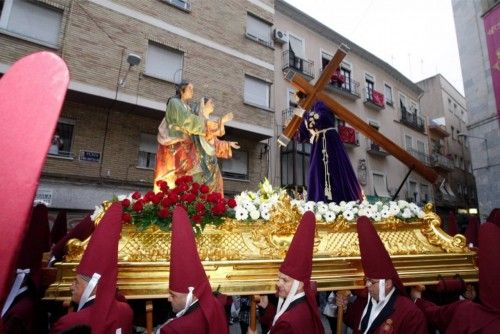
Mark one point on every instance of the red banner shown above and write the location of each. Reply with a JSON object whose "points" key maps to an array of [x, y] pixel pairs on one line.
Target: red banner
{"points": [[492, 29]]}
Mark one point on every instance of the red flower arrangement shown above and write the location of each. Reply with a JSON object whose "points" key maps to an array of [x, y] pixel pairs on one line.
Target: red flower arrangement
{"points": [[203, 207]]}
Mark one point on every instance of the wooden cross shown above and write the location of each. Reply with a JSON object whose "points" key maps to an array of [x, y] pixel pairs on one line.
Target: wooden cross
{"points": [[314, 93]]}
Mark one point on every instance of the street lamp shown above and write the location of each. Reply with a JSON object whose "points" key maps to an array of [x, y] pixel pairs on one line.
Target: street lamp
{"points": [[464, 135]]}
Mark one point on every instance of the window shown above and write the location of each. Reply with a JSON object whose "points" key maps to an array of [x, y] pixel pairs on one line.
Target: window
{"points": [[424, 193], [31, 20], [257, 92], [420, 146], [408, 143], [147, 151], [63, 137], [388, 94], [164, 63], [370, 86], [237, 166], [259, 30], [295, 164], [402, 102], [412, 191], [379, 185]]}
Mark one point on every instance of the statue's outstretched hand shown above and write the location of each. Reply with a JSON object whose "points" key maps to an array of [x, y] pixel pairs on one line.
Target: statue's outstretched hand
{"points": [[234, 144], [227, 117]]}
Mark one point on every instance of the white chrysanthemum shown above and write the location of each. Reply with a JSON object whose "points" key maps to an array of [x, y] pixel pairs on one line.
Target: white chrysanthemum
{"points": [[329, 216], [241, 213], [266, 206], [322, 207], [342, 204], [254, 214], [98, 210], [421, 214], [407, 213], [348, 215], [385, 213], [301, 210], [265, 215], [318, 216], [376, 217], [310, 206], [402, 204]]}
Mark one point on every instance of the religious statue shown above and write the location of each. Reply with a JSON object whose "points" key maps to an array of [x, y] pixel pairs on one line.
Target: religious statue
{"points": [[210, 147]]}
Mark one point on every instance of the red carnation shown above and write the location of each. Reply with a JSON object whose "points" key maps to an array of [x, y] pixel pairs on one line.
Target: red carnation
{"points": [[219, 209], [173, 198], [183, 187], [149, 196], [197, 219], [126, 203], [136, 195], [165, 202], [204, 189], [195, 185], [231, 202], [126, 217], [138, 206], [163, 213], [164, 187], [189, 197], [188, 178], [157, 198], [200, 207]]}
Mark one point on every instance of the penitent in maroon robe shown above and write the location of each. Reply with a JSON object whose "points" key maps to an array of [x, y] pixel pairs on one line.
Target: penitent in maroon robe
{"points": [[400, 315], [120, 317], [297, 319], [193, 321]]}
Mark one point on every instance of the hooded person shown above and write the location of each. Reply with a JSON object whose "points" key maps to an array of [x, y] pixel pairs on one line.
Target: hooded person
{"points": [[472, 231], [94, 287], [466, 316], [197, 309], [297, 311], [19, 309], [81, 232], [494, 217], [387, 308], [59, 228]]}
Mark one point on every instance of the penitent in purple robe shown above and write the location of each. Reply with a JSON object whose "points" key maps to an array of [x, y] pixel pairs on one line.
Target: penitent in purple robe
{"points": [[327, 150]]}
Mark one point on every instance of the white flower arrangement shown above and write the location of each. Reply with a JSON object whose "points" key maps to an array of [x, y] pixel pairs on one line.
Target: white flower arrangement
{"points": [[352, 210], [256, 205]]}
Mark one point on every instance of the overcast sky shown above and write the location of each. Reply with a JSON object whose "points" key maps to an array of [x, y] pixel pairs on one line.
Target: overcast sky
{"points": [[416, 37]]}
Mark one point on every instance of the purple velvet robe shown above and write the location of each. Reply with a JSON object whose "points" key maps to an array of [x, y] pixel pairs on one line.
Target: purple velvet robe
{"points": [[343, 181]]}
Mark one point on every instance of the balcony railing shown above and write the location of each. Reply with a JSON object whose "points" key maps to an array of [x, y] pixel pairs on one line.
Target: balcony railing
{"points": [[441, 161], [374, 99], [375, 149], [302, 66], [346, 87], [425, 158], [412, 120]]}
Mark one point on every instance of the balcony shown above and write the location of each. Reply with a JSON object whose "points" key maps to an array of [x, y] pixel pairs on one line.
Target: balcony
{"points": [[347, 87], [299, 65], [348, 136], [441, 162], [286, 116], [439, 130], [420, 156], [375, 149], [412, 120], [374, 99]]}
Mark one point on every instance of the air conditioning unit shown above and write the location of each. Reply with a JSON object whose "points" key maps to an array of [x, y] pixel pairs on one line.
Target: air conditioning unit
{"points": [[280, 36]]}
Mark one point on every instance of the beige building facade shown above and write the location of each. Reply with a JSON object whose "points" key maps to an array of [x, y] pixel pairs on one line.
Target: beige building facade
{"points": [[125, 58], [449, 145], [371, 89]]}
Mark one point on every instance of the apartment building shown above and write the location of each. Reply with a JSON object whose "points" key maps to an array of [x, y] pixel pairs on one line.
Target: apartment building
{"points": [[369, 88], [476, 24], [125, 58], [449, 147]]}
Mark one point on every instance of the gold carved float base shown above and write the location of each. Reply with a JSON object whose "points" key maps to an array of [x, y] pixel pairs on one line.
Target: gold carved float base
{"points": [[244, 258]]}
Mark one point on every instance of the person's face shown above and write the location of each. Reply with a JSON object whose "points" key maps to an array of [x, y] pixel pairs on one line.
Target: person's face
{"points": [[77, 288], [284, 285], [373, 287], [187, 93], [209, 107], [178, 300]]}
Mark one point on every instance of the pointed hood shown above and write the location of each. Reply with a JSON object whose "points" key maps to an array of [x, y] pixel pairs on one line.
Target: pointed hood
{"points": [[81, 232], [375, 259], [489, 266], [298, 262], [60, 227], [472, 231], [187, 271], [494, 217], [452, 224], [101, 257]]}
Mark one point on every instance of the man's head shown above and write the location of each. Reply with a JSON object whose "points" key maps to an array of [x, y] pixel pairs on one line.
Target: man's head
{"points": [[78, 287], [284, 285], [374, 287], [178, 300]]}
